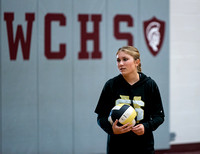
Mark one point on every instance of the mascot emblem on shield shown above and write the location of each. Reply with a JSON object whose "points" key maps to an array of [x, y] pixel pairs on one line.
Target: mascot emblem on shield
{"points": [[154, 31]]}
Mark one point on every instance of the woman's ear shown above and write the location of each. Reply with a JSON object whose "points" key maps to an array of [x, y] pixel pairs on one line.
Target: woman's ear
{"points": [[137, 62]]}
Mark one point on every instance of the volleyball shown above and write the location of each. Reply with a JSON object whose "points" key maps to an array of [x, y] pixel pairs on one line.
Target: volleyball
{"points": [[124, 113]]}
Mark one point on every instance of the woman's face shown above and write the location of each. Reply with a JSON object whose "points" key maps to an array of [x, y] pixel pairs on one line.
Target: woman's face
{"points": [[126, 63]]}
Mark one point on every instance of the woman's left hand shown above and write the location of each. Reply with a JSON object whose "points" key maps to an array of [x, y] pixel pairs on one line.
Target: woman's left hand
{"points": [[138, 129]]}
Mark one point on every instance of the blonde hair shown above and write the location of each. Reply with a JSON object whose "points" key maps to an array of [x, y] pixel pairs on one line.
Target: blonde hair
{"points": [[132, 51]]}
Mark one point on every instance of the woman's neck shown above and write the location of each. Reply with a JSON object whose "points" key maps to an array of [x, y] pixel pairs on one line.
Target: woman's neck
{"points": [[132, 79]]}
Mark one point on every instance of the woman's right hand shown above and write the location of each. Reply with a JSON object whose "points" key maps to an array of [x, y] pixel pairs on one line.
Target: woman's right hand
{"points": [[121, 129]]}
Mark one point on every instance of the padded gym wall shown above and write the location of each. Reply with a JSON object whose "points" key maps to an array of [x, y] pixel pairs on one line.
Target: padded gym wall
{"points": [[56, 57]]}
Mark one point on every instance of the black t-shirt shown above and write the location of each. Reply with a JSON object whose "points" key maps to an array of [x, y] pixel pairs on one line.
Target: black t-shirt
{"points": [[145, 97]]}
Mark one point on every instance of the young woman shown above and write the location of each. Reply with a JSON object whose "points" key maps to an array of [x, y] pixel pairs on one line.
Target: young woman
{"points": [[139, 91]]}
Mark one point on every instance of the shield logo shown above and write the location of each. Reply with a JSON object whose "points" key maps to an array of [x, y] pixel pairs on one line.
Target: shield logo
{"points": [[154, 31]]}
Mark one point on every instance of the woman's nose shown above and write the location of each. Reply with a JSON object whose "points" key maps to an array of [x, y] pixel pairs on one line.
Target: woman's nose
{"points": [[121, 62]]}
